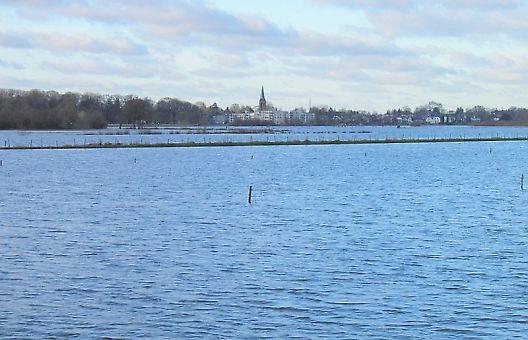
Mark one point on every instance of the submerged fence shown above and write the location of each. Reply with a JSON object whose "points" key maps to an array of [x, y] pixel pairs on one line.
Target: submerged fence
{"points": [[321, 141]]}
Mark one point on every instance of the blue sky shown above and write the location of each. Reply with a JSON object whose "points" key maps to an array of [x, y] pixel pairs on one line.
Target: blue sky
{"points": [[357, 54]]}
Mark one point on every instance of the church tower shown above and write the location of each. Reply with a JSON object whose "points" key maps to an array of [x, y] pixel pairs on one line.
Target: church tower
{"points": [[262, 101]]}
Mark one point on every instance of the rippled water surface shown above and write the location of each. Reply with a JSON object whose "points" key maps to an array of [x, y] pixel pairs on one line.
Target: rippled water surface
{"points": [[346, 241]]}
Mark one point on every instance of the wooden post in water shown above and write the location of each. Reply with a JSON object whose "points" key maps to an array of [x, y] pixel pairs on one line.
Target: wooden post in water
{"points": [[522, 182], [250, 194]]}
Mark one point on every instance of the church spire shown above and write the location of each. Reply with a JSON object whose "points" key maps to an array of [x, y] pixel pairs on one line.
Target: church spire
{"points": [[262, 94], [262, 102]]}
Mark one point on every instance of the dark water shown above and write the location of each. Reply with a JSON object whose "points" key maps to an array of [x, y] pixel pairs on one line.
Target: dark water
{"points": [[417, 241], [242, 134]]}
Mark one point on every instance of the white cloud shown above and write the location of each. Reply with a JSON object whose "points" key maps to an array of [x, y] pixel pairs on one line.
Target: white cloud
{"points": [[458, 18], [409, 46], [70, 43]]}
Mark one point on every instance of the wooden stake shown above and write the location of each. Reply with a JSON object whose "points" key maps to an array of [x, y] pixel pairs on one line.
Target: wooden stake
{"points": [[250, 193], [522, 182]]}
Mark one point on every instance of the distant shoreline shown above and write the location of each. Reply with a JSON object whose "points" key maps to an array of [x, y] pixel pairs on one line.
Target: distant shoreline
{"points": [[244, 129], [266, 143]]}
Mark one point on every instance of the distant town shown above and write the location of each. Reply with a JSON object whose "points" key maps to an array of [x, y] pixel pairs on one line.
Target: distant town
{"points": [[38, 109]]}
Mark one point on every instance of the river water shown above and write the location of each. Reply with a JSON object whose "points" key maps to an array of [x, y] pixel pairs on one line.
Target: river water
{"points": [[341, 241]]}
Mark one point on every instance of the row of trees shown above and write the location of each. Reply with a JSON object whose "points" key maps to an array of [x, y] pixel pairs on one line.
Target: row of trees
{"points": [[52, 110], [460, 116]]}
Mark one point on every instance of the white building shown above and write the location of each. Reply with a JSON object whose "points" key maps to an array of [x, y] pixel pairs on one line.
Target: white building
{"points": [[266, 114], [301, 116], [433, 120]]}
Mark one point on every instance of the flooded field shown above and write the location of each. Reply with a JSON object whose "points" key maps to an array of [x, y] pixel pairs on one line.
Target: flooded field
{"points": [[416, 240], [248, 134]]}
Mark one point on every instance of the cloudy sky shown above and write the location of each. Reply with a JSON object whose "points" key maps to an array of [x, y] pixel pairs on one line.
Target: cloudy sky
{"points": [[358, 54]]}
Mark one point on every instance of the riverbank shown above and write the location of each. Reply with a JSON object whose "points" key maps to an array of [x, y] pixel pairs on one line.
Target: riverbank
{"points": [[266, 143]]}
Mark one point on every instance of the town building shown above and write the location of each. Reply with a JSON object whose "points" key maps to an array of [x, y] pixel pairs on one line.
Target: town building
{"points": [[435, 120], [262, 102], [271, 115]]}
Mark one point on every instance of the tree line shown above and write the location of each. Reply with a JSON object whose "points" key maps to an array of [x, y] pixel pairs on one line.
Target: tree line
{"points": [[423, 114], [37, 109]]}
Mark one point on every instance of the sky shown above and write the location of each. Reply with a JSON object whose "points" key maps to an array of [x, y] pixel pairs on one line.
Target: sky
{"points": [[355, 54]]}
